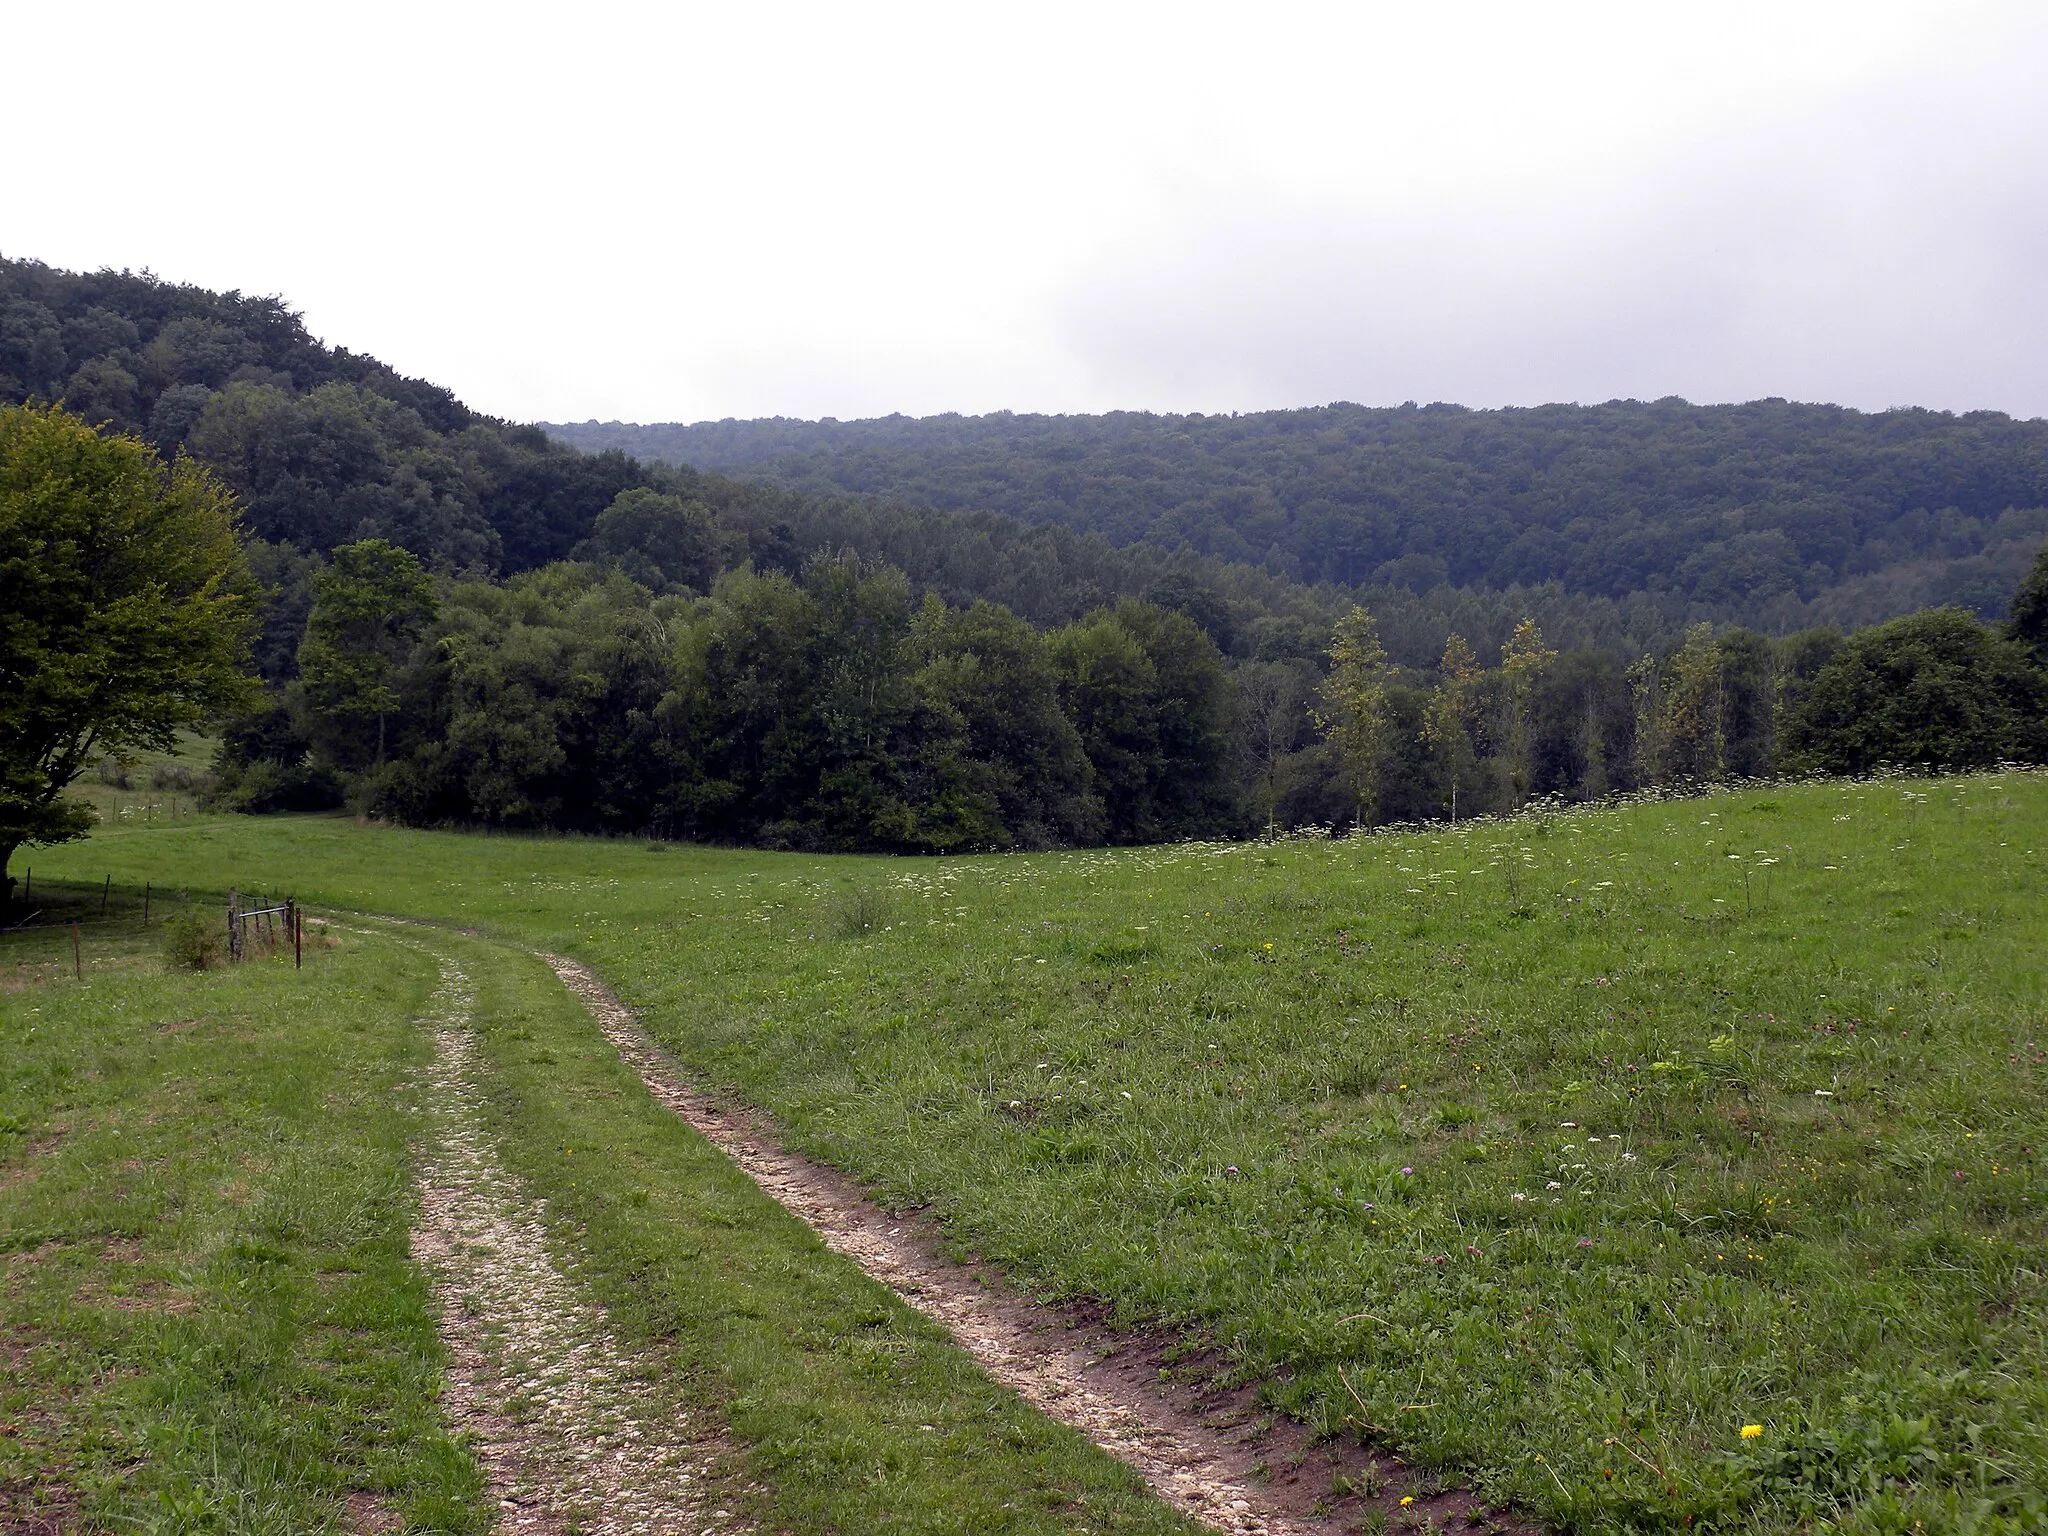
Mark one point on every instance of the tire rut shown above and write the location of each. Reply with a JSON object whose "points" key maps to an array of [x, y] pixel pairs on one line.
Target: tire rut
{"points": [[1207, 1471], [567, 1435]]}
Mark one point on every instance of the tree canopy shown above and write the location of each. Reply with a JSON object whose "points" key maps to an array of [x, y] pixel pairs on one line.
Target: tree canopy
{"points": [[126, 611], [1770, 513]]}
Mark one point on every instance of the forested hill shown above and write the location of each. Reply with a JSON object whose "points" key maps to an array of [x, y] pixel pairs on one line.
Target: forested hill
{"points": [[324, 446], [1771, 513]]}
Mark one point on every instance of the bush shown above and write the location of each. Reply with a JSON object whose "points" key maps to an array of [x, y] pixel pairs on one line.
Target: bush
{"points": [[262, 787], [862, 910], [195, 939], [1932, 690]]}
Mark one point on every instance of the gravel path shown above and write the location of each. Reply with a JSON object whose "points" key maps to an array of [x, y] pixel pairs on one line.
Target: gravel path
{"points": [[570, 1439]]}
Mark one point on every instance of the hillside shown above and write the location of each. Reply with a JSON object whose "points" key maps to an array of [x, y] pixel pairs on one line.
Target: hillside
{"points": [[324, 446], [1772, 513]]}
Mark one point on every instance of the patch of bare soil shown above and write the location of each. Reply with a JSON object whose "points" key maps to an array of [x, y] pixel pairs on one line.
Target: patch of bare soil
{"points": [[1149, 1399], [26, 1511], [368, 1515], [569, 1438]]}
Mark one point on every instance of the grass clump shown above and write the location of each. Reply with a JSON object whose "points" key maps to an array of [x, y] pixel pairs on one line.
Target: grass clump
{"points": [[858, 912]]}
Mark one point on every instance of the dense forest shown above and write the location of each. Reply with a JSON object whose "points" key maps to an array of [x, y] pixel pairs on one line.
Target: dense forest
{"points": [[465, 622], [1774, 514], [831, 710]]}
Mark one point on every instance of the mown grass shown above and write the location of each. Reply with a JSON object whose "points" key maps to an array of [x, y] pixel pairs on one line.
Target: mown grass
{"points": [[210, 1320], [1552, 1152]]}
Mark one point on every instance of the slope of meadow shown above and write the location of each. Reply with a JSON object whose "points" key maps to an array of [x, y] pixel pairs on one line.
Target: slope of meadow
{"points": [[1553, 1151]]}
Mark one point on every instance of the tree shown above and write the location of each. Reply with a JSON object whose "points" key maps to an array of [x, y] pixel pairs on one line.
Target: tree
{"points": [[663, 542], [989, 673], [126, 612], [1447, 718], [1932, 690], [1356, 717], [1523, 661], [1195, 791], [1272, 703], [1693, 740], [2027, 613], [369, 607]]}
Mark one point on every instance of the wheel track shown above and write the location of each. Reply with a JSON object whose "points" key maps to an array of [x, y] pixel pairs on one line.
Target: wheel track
{"points": [[1207, 1472], [569, 1439]]}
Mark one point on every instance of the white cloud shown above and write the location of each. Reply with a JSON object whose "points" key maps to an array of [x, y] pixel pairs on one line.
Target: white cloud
{"points": [[682, 211]]}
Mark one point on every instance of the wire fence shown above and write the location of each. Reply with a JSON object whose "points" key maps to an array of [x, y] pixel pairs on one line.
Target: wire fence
{"points": [[255, 926]]}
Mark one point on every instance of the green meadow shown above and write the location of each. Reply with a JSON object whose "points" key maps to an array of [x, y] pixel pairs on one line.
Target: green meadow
{"points": [[208, 1316], [1551, 1152]]}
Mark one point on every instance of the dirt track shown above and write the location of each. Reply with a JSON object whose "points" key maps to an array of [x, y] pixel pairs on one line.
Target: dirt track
{"points": [[1210, 1453], [569, 1438]]}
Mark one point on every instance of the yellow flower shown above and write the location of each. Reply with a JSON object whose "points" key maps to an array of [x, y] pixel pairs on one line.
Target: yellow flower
{"points": [[1751, 1431]]}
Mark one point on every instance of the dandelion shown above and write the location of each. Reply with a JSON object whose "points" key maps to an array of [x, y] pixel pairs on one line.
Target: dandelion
{"points": [[1752, 1431]]}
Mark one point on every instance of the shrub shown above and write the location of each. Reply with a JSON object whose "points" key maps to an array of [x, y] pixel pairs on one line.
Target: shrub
{"points": [[859, 911], [195, 939]]}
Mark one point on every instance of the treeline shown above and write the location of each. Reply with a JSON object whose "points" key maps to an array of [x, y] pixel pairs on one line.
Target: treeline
{"points": [[1774, 514], [837, 710]]}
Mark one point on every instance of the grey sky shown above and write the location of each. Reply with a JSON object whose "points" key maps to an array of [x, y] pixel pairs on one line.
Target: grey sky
{"points": [[674, 212]]}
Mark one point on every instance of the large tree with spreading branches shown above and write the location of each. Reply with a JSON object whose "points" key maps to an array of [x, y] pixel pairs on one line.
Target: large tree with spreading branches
{"points": [[126, 612]]}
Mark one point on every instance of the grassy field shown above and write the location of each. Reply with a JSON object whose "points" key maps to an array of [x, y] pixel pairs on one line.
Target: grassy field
{"points": [[209, 1321], [209, 1318], [1553, 1152]]}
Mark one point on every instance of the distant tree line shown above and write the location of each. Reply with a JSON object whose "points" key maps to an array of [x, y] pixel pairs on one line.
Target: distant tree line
{"points": [[1774, 514], [835, 709]]}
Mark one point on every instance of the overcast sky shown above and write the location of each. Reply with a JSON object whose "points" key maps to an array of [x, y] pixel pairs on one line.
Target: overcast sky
{"points": [[675, 211]]}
